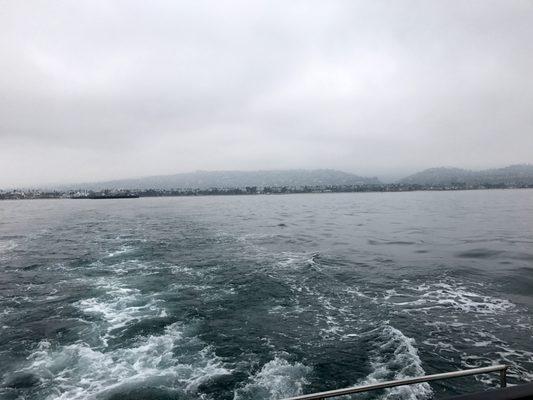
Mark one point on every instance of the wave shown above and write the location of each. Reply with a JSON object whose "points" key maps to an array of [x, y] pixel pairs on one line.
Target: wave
{"points": [[125, 249], [479, 253], [394, 356], [77, 371], [456, 296], [278, 379], [374, 242], [6, 246], [452, 310], [298, 260], [145, 355], [119, 306], [337, 312]]}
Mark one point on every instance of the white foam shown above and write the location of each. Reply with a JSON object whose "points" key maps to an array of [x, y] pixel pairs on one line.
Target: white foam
{"points": [[77, 371], [278, 379], [336, 316], [476, 319], [395, 357], [125, 249], [456, 296], [119, 306], [6, 311], [297, 260], [482, 343], [182, 270], [6, 246], [390, 293], [441, 346]]}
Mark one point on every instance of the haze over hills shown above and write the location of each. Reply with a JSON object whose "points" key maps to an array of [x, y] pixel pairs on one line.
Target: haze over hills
{"points": [[512, 175], [236, 179], [444, 177]]}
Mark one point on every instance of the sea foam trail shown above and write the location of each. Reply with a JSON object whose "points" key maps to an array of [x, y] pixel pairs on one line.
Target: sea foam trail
{"points": [[338, 308], [77, 371], [394, 356], [278, 379], [174, 361], [118, 306], [478, 322], [457, 296], [6, 246]]}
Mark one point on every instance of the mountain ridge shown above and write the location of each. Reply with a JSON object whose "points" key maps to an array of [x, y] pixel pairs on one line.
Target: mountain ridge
{"points": [[235, 178], [510, 176], [516, 174]]}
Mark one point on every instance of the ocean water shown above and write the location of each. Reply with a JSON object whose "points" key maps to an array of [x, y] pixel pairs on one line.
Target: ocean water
{"points": [[263, 297]]}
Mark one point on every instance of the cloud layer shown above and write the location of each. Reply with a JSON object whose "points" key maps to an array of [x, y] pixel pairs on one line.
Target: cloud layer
{"points": [[93, 90]]}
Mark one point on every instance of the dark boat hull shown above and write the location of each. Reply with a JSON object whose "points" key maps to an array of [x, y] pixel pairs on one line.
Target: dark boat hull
{"points": [[122, 196], [518, 392]]}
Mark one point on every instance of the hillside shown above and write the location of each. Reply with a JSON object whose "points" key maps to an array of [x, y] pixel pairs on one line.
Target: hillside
{"points": [[236, 179], [511, 176]]}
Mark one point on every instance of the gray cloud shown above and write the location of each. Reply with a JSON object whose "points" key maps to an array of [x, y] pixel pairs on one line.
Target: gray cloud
{"points": [[94, 90]]}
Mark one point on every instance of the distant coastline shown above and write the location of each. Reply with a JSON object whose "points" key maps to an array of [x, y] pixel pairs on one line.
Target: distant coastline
{"points": [[227, 183], [133, 194]]}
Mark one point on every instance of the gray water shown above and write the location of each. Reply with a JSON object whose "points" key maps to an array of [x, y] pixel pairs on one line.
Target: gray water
{"points": [[263, 297]]}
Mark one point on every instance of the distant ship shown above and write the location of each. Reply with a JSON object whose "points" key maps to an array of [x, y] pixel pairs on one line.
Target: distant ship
{"points": [[98, 196], [114, 196]]}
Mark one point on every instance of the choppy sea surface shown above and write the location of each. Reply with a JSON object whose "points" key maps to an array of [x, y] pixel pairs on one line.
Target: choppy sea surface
{"points": [[263, 297]]}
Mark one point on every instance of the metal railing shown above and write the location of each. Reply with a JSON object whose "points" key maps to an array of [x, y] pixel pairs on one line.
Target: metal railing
{"points": [[407, 381]]}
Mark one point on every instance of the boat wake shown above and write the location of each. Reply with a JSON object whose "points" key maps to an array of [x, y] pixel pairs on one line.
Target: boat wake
{"points": [[394, 356]]}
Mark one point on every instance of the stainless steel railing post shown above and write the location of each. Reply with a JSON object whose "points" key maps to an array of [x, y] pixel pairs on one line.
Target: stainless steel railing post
{"points": [[503, 377]]}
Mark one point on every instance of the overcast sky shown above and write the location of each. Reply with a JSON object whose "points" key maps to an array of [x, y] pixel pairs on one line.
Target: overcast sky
{"points": [[94, 90]]}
